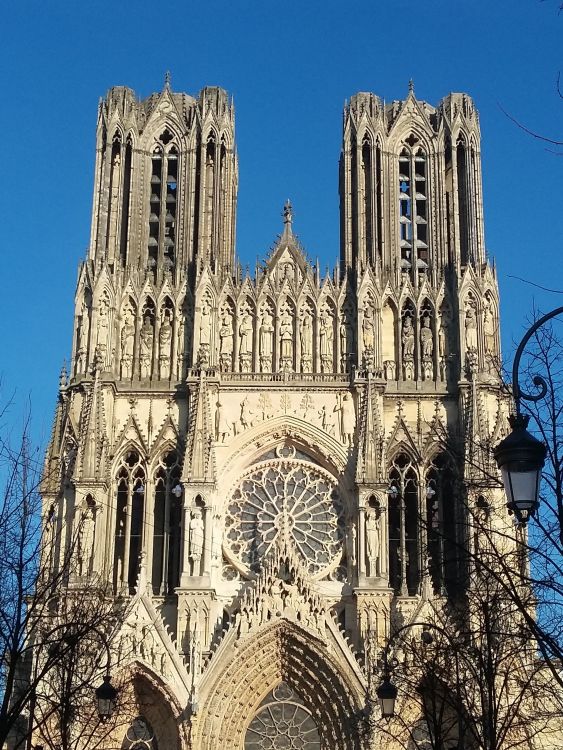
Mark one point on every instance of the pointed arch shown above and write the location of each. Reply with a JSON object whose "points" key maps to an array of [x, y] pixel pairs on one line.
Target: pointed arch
{"points": [[130, 483], [282, 652], [403, 524], [165, 553]]}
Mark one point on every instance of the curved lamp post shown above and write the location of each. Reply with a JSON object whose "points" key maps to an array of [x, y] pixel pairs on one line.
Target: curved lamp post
{"points": [[520, 456]]}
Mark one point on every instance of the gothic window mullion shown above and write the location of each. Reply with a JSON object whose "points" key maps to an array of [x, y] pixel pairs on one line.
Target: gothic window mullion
{"points": [[440, 511], [166, 540], [403, 540], [127, 550], [162, 213]]}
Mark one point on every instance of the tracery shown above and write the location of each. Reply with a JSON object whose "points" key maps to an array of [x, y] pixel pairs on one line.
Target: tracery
{"points": [[290, 501]]}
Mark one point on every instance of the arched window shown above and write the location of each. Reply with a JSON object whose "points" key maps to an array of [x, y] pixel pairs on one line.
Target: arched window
{"points": [[161, 250], [126, 201], [129, 521], [404, 551], [413, 210], [463, 200], [113, 191], [441, 526], [282, 721], [367, 189], [167, 525]]}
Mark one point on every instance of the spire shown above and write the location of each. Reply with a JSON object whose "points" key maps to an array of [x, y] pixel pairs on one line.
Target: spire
{"points": [[368, 469], [167, 81], [411, 86], [199, 461]]}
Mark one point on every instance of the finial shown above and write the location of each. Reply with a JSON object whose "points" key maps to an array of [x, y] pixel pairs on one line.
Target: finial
{"points": [[63, 376], [287, 213], [167, 79], [411, 86]]}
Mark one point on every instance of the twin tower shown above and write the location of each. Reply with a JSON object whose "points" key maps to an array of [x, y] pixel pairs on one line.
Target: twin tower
{"points": [[257, 464]]}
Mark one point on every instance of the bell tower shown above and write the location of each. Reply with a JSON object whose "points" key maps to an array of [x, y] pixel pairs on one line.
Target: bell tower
{"points": [[410, 186]]}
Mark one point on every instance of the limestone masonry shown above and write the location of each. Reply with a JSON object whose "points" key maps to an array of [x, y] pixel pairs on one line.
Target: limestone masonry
{"points": [[257, 463]]}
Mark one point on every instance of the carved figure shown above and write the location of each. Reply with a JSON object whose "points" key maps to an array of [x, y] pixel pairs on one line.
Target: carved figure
{"points": [[372, 541], [306, 335], [164, 341], [347, 419], [470, 328], [426, 338], [286, 341], [205, 324], [86, 540], [222, 427], [489, 328], [245, 414], [196, 540], [326, 422], [245, 334], [407, 337], [265, 336], [146, 339], [103, 326], [352, 543], [127, 343], [444, 333], [368, 328], [226, 341], [326, 344]]}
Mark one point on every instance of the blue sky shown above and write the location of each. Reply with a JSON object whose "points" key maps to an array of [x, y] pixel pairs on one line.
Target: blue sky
{"points": [[289, 66]]}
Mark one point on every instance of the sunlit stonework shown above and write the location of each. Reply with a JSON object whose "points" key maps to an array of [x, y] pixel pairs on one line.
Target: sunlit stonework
{"points": [[294, 503], [255, 461]]}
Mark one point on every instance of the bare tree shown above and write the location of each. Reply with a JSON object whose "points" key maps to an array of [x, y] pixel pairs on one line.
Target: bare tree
{"points": [[55, 626]]}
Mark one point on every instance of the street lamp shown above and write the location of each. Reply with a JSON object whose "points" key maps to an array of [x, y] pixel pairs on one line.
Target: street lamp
{"points": [[520, 456], [387, 694], [106, 695], [387, 690]]}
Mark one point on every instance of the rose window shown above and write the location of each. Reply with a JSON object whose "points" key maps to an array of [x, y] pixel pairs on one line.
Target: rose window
{"points": [[282, 722], [285, 502]]}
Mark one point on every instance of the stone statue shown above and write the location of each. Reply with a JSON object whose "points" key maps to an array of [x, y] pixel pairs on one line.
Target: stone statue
{"points": [[286, 341], [266, 334], [426, 338], [351, 538], [326, 344], [164, 341], [245, 334], [368, 328], [205, 324], [127, 344], [346, 341], [470, 328], [372, 541], [407, 338], [222, 427], [196, 540], [86, 540], [489, 328], [226, 341], [306, 338], [245, 414], [347, 419], [103, 326], [146, 339]]}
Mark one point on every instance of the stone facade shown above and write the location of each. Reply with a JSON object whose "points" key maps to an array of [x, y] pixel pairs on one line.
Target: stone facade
{"points": [[250, 457]]}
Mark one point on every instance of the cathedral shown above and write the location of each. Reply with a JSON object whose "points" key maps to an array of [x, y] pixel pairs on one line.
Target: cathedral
{"points": [[255, 464]]}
